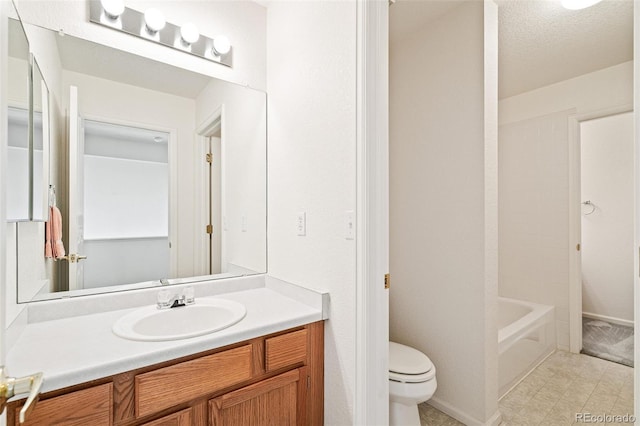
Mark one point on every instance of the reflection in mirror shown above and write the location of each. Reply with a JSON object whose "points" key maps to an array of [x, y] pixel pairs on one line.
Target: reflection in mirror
{"points": [[40, 153], [139, 202], [126, 205], [18, 127]]}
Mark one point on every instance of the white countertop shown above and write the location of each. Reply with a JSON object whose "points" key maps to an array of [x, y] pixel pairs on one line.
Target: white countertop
{"points": [[77, 349]]}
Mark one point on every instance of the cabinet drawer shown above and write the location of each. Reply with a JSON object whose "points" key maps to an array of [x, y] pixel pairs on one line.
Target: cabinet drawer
{"points": [[181, 418], [285, 350], [90, 406], [169, 386]]}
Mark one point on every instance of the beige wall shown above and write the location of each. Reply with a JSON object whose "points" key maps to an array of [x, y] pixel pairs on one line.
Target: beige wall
{"points": [[443, 207]]}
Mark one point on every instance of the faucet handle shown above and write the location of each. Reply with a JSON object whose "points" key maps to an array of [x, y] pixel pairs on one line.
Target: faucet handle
{"points": [[163, 299], [189, 296]]}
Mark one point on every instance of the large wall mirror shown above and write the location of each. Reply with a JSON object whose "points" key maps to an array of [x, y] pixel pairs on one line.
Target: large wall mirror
{"points": [[158, 175]]}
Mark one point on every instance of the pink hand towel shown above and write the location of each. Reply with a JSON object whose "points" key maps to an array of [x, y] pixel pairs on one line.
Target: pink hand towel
{"points": [[56, 233]]}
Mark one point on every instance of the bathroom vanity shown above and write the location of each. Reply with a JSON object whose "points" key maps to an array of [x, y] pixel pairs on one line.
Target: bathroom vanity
{"points": [[275, 378], [268, 367]]}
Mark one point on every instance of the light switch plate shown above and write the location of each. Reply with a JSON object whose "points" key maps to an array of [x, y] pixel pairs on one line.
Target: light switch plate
{"points": [[301, 223], [349, 225]]}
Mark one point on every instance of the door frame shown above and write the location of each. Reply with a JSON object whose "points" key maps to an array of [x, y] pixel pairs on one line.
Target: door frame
{"points": [[4, 53], [371, 399], [575, 218], [202, 247]]}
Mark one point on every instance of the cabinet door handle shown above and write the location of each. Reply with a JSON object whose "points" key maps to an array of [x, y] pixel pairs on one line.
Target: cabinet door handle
{"points": [[10, 386]]}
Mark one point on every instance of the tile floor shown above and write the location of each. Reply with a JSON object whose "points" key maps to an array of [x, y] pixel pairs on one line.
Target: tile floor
{"points": [[563, 385]]}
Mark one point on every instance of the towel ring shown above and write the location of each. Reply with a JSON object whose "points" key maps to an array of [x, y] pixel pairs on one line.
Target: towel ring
{"points": [[590, 204]]}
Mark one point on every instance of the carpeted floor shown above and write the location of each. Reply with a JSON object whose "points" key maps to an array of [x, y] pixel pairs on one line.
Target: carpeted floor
{"points": [[608, 341]]}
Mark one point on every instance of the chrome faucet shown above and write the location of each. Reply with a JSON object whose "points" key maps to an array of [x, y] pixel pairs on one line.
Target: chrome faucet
{"points": [[165, 300]]}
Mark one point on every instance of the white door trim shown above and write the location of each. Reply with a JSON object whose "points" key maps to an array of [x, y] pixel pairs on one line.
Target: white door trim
{"points": [[4, 53], [372, 230], [209, 126], [575, 216], [636, 188]]}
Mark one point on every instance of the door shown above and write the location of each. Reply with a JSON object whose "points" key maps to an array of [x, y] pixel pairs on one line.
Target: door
{"points": [[76, 194], [274, 401]]}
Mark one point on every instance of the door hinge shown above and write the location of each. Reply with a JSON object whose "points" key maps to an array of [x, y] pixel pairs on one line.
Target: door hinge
{"points": [[387, 280], [578, 247], [308, 382], [209, 158], [209, 229]]}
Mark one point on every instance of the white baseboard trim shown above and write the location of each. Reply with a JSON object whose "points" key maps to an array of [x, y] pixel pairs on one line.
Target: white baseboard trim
{"points": [[461, 416], [613, 320]]}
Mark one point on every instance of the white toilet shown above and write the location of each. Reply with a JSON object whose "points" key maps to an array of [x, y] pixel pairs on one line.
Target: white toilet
{"points": [[412, 380]]}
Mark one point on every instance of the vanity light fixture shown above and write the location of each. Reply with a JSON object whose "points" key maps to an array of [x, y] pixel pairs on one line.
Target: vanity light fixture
{"points": [[221, 45], [152, 26], [189, 33], [579, 4], [154, 20], [112, 8]]}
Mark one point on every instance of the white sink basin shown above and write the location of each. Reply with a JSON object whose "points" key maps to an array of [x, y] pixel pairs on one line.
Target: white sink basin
{"points": [[205, 316]]}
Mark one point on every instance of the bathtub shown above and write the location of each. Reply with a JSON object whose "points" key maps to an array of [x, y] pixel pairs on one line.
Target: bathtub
{"points": [[526, 336]]}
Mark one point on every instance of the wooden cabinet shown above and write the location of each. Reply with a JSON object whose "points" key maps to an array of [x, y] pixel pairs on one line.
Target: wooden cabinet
{"points": [[169, 386], [275, 379], [269, 402], [181, 418], [91, 406]]}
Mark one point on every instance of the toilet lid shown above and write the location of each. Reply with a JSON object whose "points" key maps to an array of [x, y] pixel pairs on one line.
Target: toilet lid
{"points": [[407, 360]]}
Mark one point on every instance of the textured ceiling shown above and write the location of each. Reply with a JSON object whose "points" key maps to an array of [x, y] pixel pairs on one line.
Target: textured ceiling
{"points": [[540, 42]]}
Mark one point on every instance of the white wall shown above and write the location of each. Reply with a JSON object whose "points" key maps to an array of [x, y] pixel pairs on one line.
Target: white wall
{"points": [[244, 171], [443, 207], [244, 22], [534, 184], [311, 72], [607, 234]]}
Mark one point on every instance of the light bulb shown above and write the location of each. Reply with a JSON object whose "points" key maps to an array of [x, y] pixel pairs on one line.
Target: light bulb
{"points": [[189, 33], [154, 19], [221, 45], [113, 8], [578, 4]]}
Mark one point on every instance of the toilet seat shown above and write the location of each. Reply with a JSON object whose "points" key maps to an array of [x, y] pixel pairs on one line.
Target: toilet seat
{"points": [[409, 365]]}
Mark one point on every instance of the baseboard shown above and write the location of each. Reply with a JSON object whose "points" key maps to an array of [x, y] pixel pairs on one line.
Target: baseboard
{"points": [[535, 364], [613, 320], [461, 416]]}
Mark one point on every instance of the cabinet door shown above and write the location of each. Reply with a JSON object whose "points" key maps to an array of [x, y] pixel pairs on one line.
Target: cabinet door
{"points": [[270, 402], [92, 406], [181, 418]]}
